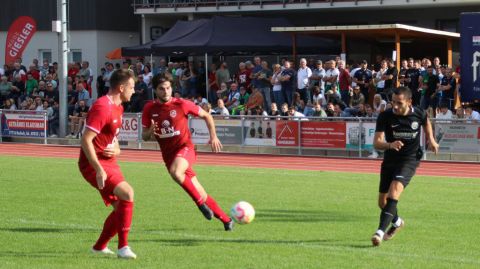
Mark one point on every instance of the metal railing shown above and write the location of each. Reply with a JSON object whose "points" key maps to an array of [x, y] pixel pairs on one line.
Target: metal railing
{"points": [[298, 136], [158, 4]]}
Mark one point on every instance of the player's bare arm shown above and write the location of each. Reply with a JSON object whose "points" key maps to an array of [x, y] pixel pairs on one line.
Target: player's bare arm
{"points": [[214, 141], [433, 145], [89, 150], [380, 144]]}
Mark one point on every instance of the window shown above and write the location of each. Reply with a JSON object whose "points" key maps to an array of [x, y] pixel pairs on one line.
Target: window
{"points": [[44, 54], [75, 56]]}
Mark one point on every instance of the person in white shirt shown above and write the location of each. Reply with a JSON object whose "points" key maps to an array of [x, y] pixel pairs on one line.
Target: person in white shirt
{"points": [[331, 75], [471, 114], [379, 105], [303, 75], [443, 113], [221, 109]]}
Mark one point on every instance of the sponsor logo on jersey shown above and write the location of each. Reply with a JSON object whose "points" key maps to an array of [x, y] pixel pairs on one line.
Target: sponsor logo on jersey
{"points": [[415, 125], [173, 113]]}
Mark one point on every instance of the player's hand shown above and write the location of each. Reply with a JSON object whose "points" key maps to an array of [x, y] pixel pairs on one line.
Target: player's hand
{"points": [[101, 177], [154, 128], [110, 152], [396, 145], [216, 144], [433, 146]]}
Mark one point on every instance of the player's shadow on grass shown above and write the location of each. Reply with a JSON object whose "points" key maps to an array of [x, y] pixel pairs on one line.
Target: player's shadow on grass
{"points": [[285, 215], [45, 230]]}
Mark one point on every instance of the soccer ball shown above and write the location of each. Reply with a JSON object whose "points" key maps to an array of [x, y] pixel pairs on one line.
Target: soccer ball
{"points": [[242, 212]]}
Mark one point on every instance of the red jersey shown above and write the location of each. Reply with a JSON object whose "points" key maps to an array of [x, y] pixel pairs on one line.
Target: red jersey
{"points": [[105, 119], [172, 119]]}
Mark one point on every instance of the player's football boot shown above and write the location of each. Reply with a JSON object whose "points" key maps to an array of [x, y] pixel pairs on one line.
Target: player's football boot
{"points": [[206, 211], [228, 225], [105, 251], [392, 231], [126, 253], [376, 240]]}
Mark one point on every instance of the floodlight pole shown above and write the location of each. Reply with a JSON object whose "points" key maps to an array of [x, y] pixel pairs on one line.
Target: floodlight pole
{"points": [[62, 66]]}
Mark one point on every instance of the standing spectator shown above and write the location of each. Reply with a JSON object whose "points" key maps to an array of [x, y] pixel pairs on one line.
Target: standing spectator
{"points": [[344, 81], [412, 81], [101, 83], [243, 76], [53, 119], [140, 95], [257, 68], [317, 77], [51, 94], [287, 79], [212, 84], [31, 85], [448, 85], [18, 89], [83, 94], [331, 75], [222, 74], [303, 76], [44, 69], [72, 98], [263, 81], [106, 76], [35, 73], [277, 86], [390, 79], [429, 87], [362, 78]]}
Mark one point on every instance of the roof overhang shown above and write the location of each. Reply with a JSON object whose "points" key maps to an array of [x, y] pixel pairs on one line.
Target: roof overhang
{"points": [[379, 30]]}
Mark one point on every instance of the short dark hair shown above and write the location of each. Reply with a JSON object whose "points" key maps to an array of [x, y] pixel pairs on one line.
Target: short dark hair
{"points": [[403, 90], [160, 78], [119, 77]]}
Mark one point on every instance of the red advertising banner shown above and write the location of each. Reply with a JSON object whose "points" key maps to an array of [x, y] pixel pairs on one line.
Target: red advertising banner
{"points": [[19, 34], [287, 133], [323, 134]]}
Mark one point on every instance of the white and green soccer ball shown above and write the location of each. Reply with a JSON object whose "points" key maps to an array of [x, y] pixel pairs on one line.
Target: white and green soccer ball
{"points": [[242, 212]]}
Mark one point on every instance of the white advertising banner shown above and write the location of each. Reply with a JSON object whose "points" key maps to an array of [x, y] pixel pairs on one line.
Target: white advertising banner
{"points": [[456, 137], [367, 133], [130, 125]]}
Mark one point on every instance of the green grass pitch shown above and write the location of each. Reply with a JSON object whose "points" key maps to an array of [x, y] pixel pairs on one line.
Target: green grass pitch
{"points": [[50, 217]]}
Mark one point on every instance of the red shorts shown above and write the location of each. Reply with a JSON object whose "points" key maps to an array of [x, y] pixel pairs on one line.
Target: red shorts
{"points": [[188, 153], [114, 177]]}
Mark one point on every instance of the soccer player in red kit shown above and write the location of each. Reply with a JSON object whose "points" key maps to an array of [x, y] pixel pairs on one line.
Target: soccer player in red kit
{"points": [[167, 119], [98, 163]]}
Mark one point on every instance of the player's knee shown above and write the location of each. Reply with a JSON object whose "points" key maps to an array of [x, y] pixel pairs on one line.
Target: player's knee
{"points": [[125, 193], [382, 203]]}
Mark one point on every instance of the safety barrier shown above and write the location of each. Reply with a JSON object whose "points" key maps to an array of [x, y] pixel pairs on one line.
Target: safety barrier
{"points": [[298, 135]]}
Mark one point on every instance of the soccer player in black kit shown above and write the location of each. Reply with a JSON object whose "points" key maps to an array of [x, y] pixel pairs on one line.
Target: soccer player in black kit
{"points": [[398, 134]]}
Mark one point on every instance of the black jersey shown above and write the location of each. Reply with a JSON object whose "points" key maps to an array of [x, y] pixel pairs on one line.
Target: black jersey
{"points": [[404, 128]]}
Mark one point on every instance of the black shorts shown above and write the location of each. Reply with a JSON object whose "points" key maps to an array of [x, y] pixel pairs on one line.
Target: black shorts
{"points": [[402, 171]]}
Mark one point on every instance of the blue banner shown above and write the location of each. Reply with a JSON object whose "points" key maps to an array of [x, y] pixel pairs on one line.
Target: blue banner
{"points": [[470, 56]]}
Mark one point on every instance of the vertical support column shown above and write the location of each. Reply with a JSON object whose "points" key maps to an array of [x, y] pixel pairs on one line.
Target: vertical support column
{"points": [[62, 66], [140, 130], [449, 53], [344, 45], [299, 137], [294, 47], [360, 130], [397, 49]]}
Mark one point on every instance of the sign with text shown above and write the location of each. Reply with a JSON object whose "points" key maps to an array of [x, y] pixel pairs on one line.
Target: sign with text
{"points": [[454, 137], [287, 133], [363, 135], [259, 132], [130, 125], [470, 52], [228, 131], [19, 34], [24, 125], [315, 134]]}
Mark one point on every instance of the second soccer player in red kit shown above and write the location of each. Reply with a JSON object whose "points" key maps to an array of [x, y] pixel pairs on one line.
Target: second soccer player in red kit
{"points": [[167, 119], [99, 167]]}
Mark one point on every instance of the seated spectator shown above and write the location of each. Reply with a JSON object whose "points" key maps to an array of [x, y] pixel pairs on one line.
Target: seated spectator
{"points": [[18, 89], [273, 111], [294, 114], [222, 93], [284, 110], [369, 112], [443, 113], [51, 93], [459, 113], [38, 104], [298, 102], [5, 88], [31, 85], [53, 114], [318, 97], [243, 99], [77, 120], [472, 115], [199, 100], [379, 104], [221, 109], [254, 101], [318, 111], [233, 97], [83, 94], [207, 107]]}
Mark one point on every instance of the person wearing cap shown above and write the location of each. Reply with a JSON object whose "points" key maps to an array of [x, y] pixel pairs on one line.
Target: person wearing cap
{"points": [[362, 78]]}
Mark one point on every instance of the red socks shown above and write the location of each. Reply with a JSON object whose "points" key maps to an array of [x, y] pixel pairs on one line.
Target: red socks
{"points": [[191, 190], [109, 231], [124, 220], [217, 211]]}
